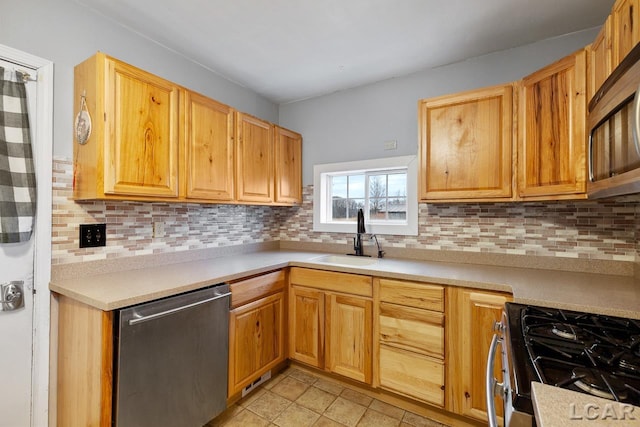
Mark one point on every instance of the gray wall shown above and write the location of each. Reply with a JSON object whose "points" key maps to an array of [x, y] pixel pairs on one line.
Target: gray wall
{"points": [[353, 124], [67, 33]]}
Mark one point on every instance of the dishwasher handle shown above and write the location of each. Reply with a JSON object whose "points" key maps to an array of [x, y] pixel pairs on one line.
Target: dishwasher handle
{"points": [[140, 319]]}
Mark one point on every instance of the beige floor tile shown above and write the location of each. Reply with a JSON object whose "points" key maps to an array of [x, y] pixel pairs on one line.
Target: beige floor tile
{"points": [[246, 401], [229, 413], [246, 418], [373, 418], [302, 376], [419, 421], [290, 388], [356, 396], [329, 386], [327, 422], [269, 405], [385, 408], [315, 399], [273, 381], [345, 411], [296, 416]]}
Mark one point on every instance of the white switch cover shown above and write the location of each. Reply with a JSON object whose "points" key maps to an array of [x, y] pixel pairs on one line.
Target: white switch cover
{"points": [[391, 145], [158, 229]]}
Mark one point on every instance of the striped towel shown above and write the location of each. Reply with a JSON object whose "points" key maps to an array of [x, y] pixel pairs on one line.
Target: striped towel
{"points": [[17, 174]]}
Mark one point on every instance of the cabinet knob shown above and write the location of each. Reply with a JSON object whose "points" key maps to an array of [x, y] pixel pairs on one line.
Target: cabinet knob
{"points": [[466, 395]]}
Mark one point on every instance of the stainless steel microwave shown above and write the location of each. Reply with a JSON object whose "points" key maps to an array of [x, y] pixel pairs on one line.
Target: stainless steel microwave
{"points": [[614, 132]]}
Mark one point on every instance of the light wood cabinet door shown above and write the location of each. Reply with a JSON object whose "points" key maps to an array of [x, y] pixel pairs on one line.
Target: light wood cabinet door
{"points": [[600, 62], [256, 340], [209, 149], [306, 326], [349, 336], [142, 135], [552, 121], [288, 151], [470, 318], [626, 33], [466, 145], [254, 159]]}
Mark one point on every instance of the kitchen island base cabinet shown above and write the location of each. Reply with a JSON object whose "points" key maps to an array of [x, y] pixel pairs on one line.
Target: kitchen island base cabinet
{"points": [[256, 328], [472, 314], [331, 330]]}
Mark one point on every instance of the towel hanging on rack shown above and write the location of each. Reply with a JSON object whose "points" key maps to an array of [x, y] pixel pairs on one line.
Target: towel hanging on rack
{"points": [[17, 174]]}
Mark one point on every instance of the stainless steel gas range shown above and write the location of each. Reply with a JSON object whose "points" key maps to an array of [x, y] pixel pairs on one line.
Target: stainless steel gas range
{"points": [[588, 353]]}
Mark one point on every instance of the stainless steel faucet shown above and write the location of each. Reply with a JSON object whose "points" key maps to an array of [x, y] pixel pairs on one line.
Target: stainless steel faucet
{"points": [[380, 251]]}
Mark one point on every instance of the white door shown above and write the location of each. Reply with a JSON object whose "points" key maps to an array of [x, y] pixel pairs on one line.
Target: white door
{"points": [[16, 327]]}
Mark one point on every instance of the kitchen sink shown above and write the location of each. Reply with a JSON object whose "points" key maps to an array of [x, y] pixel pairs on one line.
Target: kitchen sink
{"points": [[345, 260]]}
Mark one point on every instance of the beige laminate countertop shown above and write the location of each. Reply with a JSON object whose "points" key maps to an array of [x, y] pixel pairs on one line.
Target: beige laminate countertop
{"points": [[556, 406], [596, 293]]}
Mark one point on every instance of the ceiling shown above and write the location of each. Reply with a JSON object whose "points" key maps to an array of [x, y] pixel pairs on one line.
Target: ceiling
{"points": [[289, 50]]}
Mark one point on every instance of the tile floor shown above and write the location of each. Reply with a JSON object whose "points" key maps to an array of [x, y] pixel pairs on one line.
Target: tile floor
{"points": [[296, 398]]}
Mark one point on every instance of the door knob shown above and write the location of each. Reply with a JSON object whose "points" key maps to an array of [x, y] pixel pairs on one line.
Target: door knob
{"points": [[12, 295]]}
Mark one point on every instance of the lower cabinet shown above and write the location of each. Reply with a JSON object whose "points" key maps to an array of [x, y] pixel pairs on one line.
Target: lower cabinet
{"points": [[256, 328], [411, 339], [471, 315], [328, 328]]}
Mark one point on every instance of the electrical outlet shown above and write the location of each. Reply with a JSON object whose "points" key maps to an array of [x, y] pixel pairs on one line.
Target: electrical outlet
{"points": [[158, 229], [93, 235]]}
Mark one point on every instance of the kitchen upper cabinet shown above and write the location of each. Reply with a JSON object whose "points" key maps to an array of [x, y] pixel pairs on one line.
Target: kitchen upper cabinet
{"points": [[551, 140], [134, 144], [254, 159], [288, 170], [626, 33], [470, 318], [209, 149], [410, 342], [330, 322], [466, 145], [153, 140], [600, 62]]}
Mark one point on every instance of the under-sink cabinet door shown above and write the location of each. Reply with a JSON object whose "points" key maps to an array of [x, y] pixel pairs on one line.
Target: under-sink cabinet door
{"points": [[349, 336]]}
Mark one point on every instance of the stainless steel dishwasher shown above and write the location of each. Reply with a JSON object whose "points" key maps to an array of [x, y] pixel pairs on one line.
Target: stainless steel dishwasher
{"points": [[171, 360]]}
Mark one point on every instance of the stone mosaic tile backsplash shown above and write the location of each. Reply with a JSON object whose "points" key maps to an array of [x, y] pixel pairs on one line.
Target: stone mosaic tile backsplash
{"points": [[605, 230]]}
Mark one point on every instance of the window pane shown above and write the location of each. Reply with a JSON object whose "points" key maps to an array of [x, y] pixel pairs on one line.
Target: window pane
{"points": [[339, 186], [397, 208], [339, 209], [398, 184], [377, 208], [356, 186], [354, 205], [377, 186]]}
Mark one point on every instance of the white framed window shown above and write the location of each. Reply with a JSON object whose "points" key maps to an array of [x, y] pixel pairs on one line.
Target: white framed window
{"points": [[385, 189]]}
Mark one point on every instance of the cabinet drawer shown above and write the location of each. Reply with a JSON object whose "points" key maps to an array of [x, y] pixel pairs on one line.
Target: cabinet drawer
{"points": [[257, 287], [412, 375], [331, 281], [420, 331], [419, 295]]}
